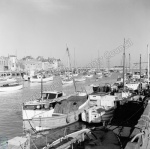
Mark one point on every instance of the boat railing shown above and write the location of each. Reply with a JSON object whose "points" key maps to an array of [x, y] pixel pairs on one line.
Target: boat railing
{"points": [[68, 140]]}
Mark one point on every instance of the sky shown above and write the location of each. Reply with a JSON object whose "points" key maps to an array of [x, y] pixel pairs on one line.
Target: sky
{"points": [[89, 28]]}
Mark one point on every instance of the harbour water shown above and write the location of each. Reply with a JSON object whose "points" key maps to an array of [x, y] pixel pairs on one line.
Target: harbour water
{"points": [[10, 103]]}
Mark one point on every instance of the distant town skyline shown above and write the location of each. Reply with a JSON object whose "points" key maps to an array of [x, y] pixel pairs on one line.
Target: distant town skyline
{"points": [[89, 28]]}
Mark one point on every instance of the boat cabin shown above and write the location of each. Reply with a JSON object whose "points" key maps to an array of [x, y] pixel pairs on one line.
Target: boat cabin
{"points": [[51, 95], [46, 102]]}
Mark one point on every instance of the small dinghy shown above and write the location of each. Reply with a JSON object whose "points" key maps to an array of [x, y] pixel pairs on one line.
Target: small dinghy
{"points": [[67, 81], [80, 79], [38, 79], [10, 87]]}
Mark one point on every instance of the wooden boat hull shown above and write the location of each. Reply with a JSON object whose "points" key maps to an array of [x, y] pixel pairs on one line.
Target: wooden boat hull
{"points": [[53, 122], [11, 88], [56, 120]]}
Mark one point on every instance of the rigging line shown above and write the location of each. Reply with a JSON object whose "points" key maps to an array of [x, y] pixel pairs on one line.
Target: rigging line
{"points": [[34, 144], [134, 113], [126, 120]]}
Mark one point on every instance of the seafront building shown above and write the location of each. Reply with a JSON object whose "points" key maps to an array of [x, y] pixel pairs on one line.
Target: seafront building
{"points": [[27, 64], [8, 63]]}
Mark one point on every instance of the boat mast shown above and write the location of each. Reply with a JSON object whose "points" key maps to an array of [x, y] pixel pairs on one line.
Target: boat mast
{"points": [[123, 63], [69, 64], [129, 63], [140, 72], [108, 64], [74, 59], [148, 64], [41, 85], [98, 61]]}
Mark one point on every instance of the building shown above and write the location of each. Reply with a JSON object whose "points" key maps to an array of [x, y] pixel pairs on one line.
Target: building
{"points": [[12, 62], [4, 63], [32, 65]]}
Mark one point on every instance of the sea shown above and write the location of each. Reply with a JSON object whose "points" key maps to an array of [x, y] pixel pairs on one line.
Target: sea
{"points": [[11, 124]]}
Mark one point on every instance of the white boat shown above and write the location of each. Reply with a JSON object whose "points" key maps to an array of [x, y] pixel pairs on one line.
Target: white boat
{"points": [[67, 81], [99, 73], [133, 85], [80, 79], [39, 78], [89, 76], [101, 108], [26, 77], [42, 106], [136, 75], [75, 75], [10, 87], [62, 114], [107, 74], [7, 80]]}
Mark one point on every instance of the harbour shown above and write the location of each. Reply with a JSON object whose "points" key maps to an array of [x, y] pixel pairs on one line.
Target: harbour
{"points": [[11, 119], [74, 74]]}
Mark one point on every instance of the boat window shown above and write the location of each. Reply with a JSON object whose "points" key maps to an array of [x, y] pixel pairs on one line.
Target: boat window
{"points": [[34, 77], [30, 107], [45, 96], [137, 73], [52, 96], [60, 95], [119, 79]]}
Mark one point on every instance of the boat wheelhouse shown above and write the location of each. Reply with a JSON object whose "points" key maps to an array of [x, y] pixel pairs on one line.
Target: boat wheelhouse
{"points": [[43, 107]]}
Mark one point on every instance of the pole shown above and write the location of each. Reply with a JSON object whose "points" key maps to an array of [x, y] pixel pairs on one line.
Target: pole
{"points": [[98, 62], [41, 86], [129, 62], [74, 59], [148, 63], [140, 73], [123, 63]]}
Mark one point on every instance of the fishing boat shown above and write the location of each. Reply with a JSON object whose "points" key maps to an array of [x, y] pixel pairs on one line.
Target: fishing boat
{"points": [[42, 105], [10, 87], [63, 113], [69, 76], [133, 85], [101, 108], [88, 138], [38, 78]]}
